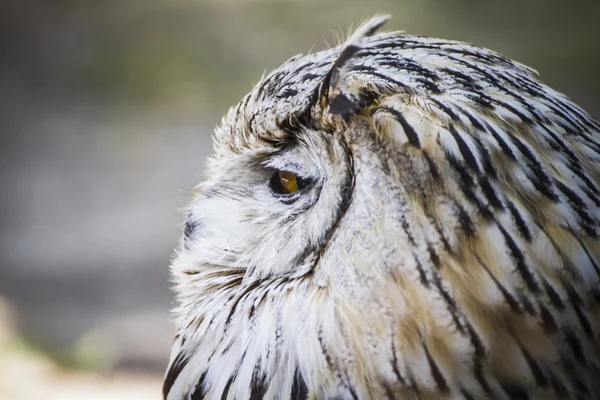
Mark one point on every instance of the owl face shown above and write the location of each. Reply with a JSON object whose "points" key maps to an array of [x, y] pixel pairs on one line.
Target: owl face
{"points": [[279, 201]]}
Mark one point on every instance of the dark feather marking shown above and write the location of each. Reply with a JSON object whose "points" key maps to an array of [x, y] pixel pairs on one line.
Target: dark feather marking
{"points": [[225, 392], [440, 232], [554, 297], [481, 99], [466, 223], [574, 161], [592, 196], [527, 304], [406, 64], [266, 84], [570, 126], [519, 221], [538, 374], [445, 109], [588, 254], [519, 260], [479, 355], [395, 361], [513, 110], [486, 159], [413, 384], [304, 117], [490, 193], [515, 391], [510, 300], [574, 274], [410, 132], [345, 201], [466, 394], [464, 149], [324, 350], [227, 347], [352, 391], [590, 188], [466, 184], [486, 57], [258, 384], [496, 83], [548, 323], [526, 85], [433, 256], [198, 393], [406, 228], [422, 275], [436, 374], [251, 286], [429, 85], [452, 308], [582, 115], [587, 222], [190, 226], [287, 93], [299, 388], [374, 72], [343, 379], [576, 303], [390, 58], [435, 174], [540, 179], [467, 81], [310, 76], [238, 110], [592, 144], [595, 293], [389, 394], [241, 108], [575, 346], [557, 385], [175, 369], [480, 378], [501, 142], [575, 378], [563, 147]]}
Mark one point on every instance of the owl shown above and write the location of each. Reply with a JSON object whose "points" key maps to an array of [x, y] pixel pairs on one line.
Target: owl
{"points": [[397, 217]]}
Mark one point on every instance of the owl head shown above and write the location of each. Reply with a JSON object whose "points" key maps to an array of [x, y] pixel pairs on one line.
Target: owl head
{"points": [[390, 217]]}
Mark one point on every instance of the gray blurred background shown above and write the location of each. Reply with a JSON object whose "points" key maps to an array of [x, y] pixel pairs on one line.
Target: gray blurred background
{"points": [[106, 112]]}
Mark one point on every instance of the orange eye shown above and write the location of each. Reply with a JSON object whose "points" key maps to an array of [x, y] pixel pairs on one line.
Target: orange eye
{"points": [[288, 182], [284, 183]]}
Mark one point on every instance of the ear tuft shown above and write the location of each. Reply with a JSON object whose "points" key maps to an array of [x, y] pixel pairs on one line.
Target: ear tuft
{"points": [[339, 101]]}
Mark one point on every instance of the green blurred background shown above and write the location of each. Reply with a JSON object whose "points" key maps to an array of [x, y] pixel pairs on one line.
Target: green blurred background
{"points": [[106, 112]]}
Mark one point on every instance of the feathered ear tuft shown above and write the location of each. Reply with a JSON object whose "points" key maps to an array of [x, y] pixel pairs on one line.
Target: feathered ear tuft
{"points": [[340, 102]]}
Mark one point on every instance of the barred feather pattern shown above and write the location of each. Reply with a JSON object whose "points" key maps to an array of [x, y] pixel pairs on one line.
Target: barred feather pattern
{"points": [[447, 246]]}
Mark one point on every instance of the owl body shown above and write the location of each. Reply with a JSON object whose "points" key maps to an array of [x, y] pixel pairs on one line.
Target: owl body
{"points": [[443, 242]]}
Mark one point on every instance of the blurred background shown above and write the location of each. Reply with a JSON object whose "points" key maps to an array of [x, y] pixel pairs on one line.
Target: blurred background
{"points": [[106, 112]]}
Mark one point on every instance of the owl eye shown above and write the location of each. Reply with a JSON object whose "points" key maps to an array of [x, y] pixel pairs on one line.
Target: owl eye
{"points": [[285, 183]]}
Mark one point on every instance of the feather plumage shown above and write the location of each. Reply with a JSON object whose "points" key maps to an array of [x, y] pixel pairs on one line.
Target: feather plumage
{"points": [[447, 246]]}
